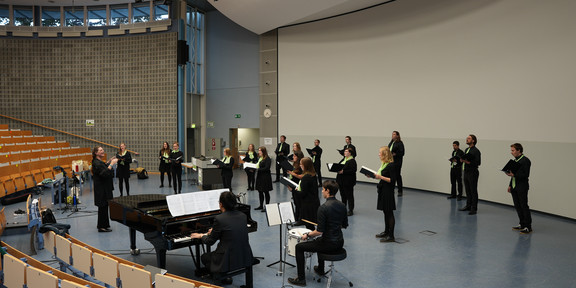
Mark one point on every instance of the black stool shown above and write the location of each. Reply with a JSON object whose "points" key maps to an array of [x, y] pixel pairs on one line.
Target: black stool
{"points": [[332, 257]]}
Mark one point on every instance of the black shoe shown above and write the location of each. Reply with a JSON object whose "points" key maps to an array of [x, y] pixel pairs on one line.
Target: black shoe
{"points": [[519, 227], [298, 282], [400, 194], [226, 281], [258, 208], [319, 272], [276, 181], [170, 185], [473, 212], [161, 185], [465, 208], [526, 230], [382, 235], [350, 213], [451, 197], [104, 230], [388, 239], [263, 210], [459, 198]]}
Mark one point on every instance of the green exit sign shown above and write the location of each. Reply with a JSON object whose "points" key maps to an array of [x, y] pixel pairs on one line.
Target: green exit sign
{"points": [[237, 116]]}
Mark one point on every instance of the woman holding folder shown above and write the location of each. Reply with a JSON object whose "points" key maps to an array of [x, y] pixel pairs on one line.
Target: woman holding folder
{"points": [[346, 179], [123, 169], [296, 175], [251, 157], [226, 172], [176, 163], [264, 179], [307, 193], [165, 164], [386, 201]]}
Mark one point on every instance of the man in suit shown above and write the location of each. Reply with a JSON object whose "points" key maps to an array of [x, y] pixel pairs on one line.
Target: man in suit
{"points": [[348, 140], [282, 150], [456, 171], [233, 251], [316, 158], [519, 186], [471, 160], [397, 148]]}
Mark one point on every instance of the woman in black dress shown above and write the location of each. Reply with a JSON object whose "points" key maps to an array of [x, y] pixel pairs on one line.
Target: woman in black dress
{"points": [[164, 167], [176, 157], [307, 192], [264, 178], [346, 179], [386, 201], [103, 176], [296, 175], [226, 169], [123, 169], [251, 157]]}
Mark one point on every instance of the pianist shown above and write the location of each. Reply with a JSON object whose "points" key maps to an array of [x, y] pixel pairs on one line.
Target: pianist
{"points": [[230, 227]]}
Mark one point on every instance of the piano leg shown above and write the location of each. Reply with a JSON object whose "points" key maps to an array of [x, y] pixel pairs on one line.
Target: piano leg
{"points": [[161, 258], [133, 249]]}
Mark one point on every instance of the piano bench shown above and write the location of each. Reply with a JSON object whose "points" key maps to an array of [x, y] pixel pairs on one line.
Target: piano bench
{"points": [[246, 270]]}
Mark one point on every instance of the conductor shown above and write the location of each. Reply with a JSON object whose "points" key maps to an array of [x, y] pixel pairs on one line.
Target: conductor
{"points": [[233, 251], [331, 219]]}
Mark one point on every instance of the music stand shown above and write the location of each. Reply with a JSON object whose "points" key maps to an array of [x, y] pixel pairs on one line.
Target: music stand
{"points": [[75, 190], [280, 214]]}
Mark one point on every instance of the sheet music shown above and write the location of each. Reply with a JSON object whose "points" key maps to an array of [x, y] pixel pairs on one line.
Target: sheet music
{"points": [[330, 166], [273, 214], [194, 203], [286, 212], [290, 181], [250, 165]]}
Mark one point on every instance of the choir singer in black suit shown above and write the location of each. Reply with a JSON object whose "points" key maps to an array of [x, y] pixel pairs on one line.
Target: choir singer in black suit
{"points": [[230, 228], [317, 159], [348, 140], [397, 148], [456, 172], [519, 186], [282, 150], [470, 163], [346, 179]]}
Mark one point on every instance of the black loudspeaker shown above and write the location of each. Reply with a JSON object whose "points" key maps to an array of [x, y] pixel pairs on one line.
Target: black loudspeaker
{"points": [[183, 51]]}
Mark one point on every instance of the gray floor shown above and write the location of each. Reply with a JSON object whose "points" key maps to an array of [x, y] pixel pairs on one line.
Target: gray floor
{"points": [[438, 246]]}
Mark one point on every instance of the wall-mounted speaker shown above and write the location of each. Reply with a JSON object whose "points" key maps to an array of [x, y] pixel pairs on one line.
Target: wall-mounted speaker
{"points": [[183, 51]]}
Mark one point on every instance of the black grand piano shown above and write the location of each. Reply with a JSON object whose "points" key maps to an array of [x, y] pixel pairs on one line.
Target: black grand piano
{"points": [[149, 214]]}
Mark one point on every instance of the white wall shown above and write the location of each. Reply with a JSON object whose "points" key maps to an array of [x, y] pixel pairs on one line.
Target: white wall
{"points": [[438, 71]]}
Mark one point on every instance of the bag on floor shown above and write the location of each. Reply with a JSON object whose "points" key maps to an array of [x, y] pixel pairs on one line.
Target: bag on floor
{"points": [[141, 173]]}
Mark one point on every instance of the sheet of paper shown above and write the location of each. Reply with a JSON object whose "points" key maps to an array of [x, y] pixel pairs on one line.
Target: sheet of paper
{"points": [[194, 203], [286, 212], [273, 214]]}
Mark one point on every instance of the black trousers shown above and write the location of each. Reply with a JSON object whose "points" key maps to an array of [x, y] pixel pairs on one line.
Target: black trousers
{"points": [[347, 191], [314, 246], [103, 219], [471, 183], [177, 179], [251, 174], [278, 167], [456, 181], [227, 181], [520, 198], [398, 180], [126, 183], [318, 169], [162, 178]]}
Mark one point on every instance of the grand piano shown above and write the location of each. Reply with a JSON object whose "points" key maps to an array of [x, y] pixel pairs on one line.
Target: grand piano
{"points": [[149, 215]]}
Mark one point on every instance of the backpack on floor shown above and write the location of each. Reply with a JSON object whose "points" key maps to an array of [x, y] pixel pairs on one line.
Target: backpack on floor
{"points": [[141, 173]]}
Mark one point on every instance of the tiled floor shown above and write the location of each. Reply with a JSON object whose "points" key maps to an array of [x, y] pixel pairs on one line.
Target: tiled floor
{"points": [[438, 245]]}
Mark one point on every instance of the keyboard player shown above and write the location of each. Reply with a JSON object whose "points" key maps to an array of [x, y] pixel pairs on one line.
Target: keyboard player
{"points": [[233, 251]]}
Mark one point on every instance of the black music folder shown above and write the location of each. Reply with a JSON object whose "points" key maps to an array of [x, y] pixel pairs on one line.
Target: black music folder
{"points": [[218, 163], [175, 159], [511, 166], [310, 152], [288, 183], [368, 172], [290, 157], [341, 151], [467, 157], [286, 165], [454, 159], [334, 167]]}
